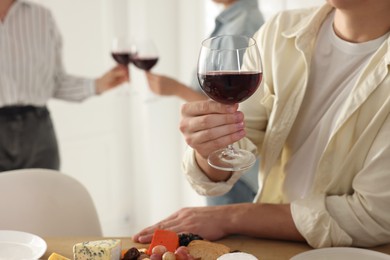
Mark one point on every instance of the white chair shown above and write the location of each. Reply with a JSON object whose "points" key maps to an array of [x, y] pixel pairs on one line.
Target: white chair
{"points": [[47, 203]]}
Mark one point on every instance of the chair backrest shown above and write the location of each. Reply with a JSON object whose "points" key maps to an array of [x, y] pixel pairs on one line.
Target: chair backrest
{"points": [[46, 203]]}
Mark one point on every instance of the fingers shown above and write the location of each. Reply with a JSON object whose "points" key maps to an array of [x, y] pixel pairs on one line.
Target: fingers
{"points": [[146, 235], [116, 76], [203, 115], [208, 125], [205, 122], [211, 128], [121, 72], [206, 107], [217, 137]]}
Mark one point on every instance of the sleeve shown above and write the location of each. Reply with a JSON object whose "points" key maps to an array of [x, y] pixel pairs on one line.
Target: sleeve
{"points": [[200, 182], [357, 219], [67, 87]]}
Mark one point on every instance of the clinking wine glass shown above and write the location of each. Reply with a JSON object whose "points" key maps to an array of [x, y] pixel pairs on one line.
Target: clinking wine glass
{"points": [[229, 72], [145, 54], [121, 51], [145, 57]]}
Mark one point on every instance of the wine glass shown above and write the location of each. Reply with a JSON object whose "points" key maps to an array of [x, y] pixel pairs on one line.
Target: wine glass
{"points": [[145, 54], [121, 52], [145, 57], [229, 72]]}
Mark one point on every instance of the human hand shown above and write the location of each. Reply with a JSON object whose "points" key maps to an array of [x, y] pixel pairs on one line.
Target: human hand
{"points": [[113, 78], [162, 85], [208, 126], [211, 223]]}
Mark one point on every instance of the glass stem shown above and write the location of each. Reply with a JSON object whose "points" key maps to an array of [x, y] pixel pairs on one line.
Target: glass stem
{"points": [[230, 151]]}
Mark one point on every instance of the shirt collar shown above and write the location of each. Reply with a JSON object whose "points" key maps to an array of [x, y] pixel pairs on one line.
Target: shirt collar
{"points": [[235, 9], [309, 24]]}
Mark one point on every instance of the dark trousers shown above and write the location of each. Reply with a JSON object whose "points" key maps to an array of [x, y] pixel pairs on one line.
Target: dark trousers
{"points": [[27, 139]]}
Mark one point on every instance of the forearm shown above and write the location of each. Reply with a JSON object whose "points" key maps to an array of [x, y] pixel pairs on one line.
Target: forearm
{"points": [[72, 88], [188, 94], [263, 220]]}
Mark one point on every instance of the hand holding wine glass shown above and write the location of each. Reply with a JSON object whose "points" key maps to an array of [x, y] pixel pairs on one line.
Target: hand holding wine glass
{"points": [[121, 52], [229, 72]]}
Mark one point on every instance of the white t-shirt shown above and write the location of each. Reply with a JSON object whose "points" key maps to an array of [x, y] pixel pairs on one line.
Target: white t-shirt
{"points": [[326, 91]]}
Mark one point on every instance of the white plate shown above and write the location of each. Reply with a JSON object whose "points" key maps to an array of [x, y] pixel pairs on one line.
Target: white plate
{"points": [[341, 253], [17, 245]]}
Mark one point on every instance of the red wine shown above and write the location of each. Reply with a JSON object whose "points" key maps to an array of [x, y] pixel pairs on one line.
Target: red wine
{"points": [[123, 58], [144, 63], [229, 87]]}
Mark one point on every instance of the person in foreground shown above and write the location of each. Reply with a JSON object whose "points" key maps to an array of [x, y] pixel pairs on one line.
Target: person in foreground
{"points": [[31, 72], [238, 17], [320, 122]]}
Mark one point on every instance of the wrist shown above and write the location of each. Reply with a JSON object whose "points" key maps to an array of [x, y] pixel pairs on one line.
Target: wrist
{"points": [[212, 173], [98, 86]]}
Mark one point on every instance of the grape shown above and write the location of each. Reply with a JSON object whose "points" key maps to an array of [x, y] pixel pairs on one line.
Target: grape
{"points": [[131, 254], [159, 250], [181, 253], [183, 249], [168, 256], [186, 238], [155, 257]]}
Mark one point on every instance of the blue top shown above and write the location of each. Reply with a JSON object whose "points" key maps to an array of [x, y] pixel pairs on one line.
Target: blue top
{"points": [[241, 18]]}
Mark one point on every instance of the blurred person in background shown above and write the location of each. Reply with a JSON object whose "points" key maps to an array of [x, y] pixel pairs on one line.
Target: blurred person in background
{"points": [[321, 123], [31, 72], [238, 17]]}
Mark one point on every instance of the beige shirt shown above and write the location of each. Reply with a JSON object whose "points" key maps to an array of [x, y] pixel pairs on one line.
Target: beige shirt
{"points": [[350, 200]]}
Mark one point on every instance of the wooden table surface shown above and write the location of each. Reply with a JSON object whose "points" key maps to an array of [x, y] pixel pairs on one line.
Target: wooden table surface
{"points": [[261, 248]]}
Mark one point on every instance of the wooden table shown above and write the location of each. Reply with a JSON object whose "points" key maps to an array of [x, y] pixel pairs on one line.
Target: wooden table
{"points": [[261, 248]]}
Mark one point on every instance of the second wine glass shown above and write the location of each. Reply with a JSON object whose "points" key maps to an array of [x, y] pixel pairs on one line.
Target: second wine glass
{"points": [[229, 72], [145, 54]]}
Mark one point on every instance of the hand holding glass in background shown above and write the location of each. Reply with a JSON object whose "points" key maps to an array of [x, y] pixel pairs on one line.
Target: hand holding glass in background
{"points": [[141, 52]]}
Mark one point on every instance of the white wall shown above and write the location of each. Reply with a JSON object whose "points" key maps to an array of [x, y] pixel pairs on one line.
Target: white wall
{"points": [[126, 147], [126, 150]]}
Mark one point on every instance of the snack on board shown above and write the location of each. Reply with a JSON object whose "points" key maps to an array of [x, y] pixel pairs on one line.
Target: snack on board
{"points": [[186, 238], [98, 250], [207, 250], [55, 256], [185, 246], [166, 238]]}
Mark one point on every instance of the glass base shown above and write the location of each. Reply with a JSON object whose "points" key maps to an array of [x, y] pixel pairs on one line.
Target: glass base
{"points": [[231, 159]]}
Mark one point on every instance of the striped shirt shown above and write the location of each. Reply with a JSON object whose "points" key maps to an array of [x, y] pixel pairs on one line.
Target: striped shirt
{"points": [[31, 69]]}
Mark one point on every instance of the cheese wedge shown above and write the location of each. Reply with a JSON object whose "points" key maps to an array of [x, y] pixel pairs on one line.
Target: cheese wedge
{"points": [[98, 250], [55, 256]]}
